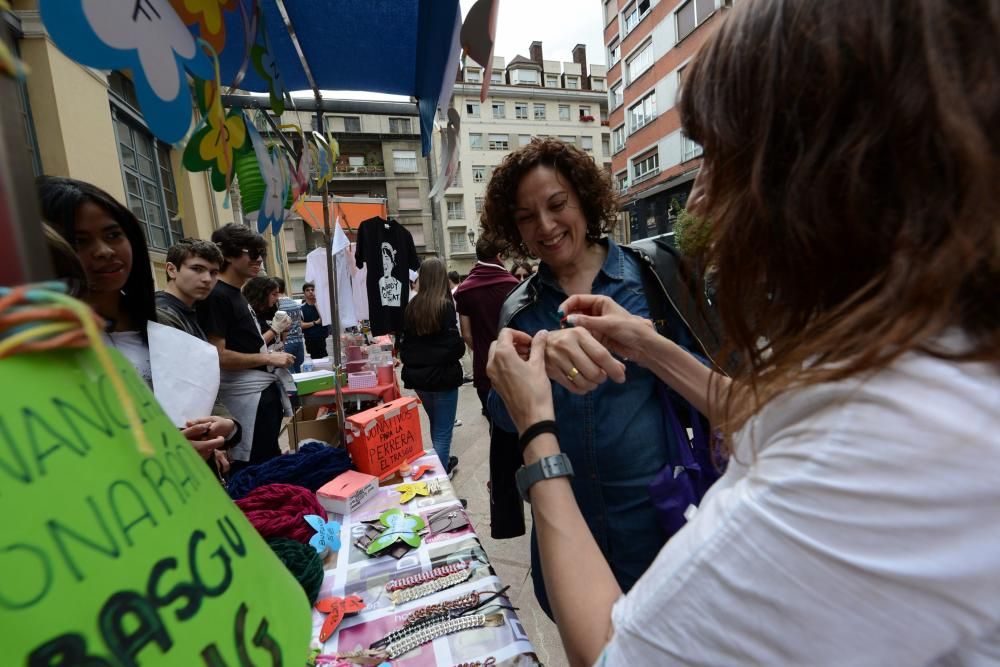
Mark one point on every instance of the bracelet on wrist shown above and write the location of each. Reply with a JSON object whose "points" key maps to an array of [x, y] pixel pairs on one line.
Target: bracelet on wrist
{"points": [[535, 430]]}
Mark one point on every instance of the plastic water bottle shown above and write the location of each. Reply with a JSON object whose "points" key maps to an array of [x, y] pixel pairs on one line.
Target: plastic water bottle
{"points": [[307, 363]]}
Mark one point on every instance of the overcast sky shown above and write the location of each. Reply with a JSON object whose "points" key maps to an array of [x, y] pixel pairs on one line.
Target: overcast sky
{"points": [[558, 24]]}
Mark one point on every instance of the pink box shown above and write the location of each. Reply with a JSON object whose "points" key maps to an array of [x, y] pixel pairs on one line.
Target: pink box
{"points": [[347, 492], [361, 380]]}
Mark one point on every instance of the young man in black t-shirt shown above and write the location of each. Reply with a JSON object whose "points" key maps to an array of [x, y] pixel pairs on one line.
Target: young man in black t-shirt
{"points": [[249, 389]]}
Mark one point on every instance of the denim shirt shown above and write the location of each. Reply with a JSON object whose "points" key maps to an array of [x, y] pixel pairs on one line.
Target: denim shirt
{"points": [[614, 436]]}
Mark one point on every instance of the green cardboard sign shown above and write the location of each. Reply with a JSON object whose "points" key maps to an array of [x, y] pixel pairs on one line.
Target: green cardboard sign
{"points": [[109, 557]]}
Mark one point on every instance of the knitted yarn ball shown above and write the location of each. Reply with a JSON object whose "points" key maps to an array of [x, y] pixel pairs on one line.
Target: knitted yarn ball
{"points": [[303, 562], [311, 467], [279, 510]]}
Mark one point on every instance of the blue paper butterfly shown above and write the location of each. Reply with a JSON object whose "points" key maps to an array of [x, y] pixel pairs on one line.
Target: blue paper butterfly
{"points": [[327, 533]]}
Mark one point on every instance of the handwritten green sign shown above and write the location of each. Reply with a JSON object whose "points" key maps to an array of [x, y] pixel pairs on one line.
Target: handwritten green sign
{"points": [[109, 557]]}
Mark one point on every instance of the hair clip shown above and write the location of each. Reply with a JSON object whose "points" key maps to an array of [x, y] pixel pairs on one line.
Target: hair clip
{"points": [[410, 594], [423, 577]]}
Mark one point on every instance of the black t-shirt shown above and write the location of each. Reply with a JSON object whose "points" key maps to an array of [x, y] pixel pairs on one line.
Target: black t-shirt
{"points": [[227, 313], [388, 250]]}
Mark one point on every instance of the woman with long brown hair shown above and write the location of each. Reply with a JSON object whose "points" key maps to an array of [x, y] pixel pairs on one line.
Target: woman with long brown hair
{"points": [[431, 350], [850, 179]]}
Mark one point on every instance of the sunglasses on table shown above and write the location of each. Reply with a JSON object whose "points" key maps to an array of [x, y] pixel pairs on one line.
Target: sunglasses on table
{"points": [[255, 254]]}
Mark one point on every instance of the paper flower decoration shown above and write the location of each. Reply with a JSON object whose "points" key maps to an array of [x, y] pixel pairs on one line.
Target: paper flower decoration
{"points": [[327, 534], [263, 63], [272, 208], [215, 145], [207, 16], [399, 527], [336, 608], [411, 490], [143, 36], [449, 155]]}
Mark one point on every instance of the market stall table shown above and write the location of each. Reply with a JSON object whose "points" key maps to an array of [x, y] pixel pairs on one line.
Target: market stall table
{"points": [[380, 392], [350, 571]]}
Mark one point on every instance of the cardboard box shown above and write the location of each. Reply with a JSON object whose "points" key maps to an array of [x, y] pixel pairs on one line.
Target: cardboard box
{"points": [[383, 438], [305, 426], [313, 381], [347, 492]]}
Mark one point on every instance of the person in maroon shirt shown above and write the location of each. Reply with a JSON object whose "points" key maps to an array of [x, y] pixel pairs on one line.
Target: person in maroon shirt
{"points": [[478, 300]]}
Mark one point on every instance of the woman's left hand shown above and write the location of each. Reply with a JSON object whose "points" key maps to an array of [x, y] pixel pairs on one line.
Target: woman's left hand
{"points": [[516, 368], [578, 362]]}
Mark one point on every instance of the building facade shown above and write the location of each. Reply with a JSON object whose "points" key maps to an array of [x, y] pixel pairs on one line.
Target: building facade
{"points": [[528, 97], [649, 43], [86, 124], [380, 158]]}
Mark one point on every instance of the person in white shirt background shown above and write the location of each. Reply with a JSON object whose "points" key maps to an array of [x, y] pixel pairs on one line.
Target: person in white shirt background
{"points": [[851, 162]]}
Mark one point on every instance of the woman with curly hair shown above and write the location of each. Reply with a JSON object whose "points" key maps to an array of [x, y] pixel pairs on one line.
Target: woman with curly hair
{"points": [[551, 201]]}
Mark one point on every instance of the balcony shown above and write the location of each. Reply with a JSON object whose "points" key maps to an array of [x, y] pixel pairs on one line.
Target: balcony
{"points": [[349, 171]]}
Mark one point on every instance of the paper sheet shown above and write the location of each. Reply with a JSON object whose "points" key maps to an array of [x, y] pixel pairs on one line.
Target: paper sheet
{"points": [[185, 373]]}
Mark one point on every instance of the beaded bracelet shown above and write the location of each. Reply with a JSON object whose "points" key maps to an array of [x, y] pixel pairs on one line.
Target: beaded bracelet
{"points": [[459, 604], [435, 630], [490, 662], [433, 586], [423, 577]]}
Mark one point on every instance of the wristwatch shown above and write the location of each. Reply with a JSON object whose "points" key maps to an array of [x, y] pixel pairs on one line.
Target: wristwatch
{"points": [[557, 465]]}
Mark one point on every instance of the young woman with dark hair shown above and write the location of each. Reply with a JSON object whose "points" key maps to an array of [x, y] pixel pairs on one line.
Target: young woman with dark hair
{"points": [[111, 248], [850, 179], [431, 349]]}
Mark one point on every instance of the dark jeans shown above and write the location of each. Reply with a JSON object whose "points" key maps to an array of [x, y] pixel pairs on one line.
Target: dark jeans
{"points": [[316, 347], [484, 393], [296, 348], [441, 407]]}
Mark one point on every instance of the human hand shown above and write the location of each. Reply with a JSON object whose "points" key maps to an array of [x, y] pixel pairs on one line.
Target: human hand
{"points": [[569, 349], [207, 434], [281, 322], [516, 367], [221, 462], [612, 326], [280, 359]]}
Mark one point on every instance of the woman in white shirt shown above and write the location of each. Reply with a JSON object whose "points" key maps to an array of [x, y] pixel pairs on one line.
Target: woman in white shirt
{"points": [[851, 162]]}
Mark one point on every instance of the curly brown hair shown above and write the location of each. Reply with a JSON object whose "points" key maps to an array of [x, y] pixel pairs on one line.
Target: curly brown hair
{"points": [[591, 183]]}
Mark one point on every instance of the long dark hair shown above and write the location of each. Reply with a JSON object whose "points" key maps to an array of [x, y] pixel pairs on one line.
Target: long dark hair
{"points": [[423, 313], [61, 199], [257, 290], [851, 173]]}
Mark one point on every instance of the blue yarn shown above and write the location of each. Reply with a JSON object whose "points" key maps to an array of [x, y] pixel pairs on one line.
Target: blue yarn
{"points": [[314, 465]]}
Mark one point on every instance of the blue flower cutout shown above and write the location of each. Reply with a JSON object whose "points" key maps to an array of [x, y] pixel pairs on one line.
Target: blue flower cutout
{"points": [[143, 36], [327, 533]]}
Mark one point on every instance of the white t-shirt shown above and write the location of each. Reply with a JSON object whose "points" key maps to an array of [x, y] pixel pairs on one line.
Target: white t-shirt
{"points": [[316, 274], [132, 347], [864, 531]]}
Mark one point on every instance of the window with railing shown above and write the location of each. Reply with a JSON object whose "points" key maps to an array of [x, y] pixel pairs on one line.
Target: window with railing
{"points": [[478, 173], [499, 142], [404, 162], [456, 209], [640, 62], [645, 167], [521, 110], [459, 241], [641, 114], [400, 126]]}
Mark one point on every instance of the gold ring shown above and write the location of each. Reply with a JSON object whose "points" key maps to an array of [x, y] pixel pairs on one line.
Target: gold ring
{"points": [[573, 372]]}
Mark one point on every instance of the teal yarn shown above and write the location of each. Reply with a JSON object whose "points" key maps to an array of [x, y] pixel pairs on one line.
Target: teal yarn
{"points": [[303, 562]]}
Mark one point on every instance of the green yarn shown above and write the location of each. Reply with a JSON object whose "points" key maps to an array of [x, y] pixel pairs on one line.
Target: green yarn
{"points": [[303, 562]]}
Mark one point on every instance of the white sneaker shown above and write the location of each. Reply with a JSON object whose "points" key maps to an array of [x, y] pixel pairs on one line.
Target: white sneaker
{"points": [[458, 422]]}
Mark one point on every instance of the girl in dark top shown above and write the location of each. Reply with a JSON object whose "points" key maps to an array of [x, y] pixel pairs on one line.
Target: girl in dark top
{"points": [[431, 349], [262, 294]]}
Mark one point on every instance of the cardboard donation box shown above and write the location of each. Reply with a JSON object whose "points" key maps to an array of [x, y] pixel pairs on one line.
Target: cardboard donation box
{"points": [[347, 491], [381, 439], [305, 426]]}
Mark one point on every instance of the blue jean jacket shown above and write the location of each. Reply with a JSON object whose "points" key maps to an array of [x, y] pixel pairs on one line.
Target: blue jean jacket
{"points": [[614, 436]]}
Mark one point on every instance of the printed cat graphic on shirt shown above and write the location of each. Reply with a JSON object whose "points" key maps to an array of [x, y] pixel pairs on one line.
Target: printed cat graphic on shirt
{"points": [[390, 289]]}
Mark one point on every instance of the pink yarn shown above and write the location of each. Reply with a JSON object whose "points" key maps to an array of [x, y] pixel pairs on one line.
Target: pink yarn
{"points": [[279, 510]]}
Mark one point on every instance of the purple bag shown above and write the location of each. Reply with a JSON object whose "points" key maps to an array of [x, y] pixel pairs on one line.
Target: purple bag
{"points": [[690, 470]]}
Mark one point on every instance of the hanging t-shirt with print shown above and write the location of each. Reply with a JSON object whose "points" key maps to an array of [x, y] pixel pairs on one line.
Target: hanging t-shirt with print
{"points": [[387, 248]]}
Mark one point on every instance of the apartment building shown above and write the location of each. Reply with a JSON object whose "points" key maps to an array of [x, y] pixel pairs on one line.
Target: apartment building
{"points": [[380, 160], [528, 97], [649, 43], [86, 124]]}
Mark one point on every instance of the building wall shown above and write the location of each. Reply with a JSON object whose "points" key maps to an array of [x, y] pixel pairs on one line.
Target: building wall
{"points": [[678, 158], [71, 110], [459, 252]]}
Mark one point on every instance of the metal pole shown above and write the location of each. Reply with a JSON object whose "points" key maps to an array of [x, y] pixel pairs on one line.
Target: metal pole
{"points": [[331, 280]]}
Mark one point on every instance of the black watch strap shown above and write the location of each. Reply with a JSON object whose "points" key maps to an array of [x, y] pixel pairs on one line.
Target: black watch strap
{"points": [[535, 430]]}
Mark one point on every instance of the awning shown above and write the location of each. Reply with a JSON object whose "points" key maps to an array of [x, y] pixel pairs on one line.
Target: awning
{"points": [[351, 211]]}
